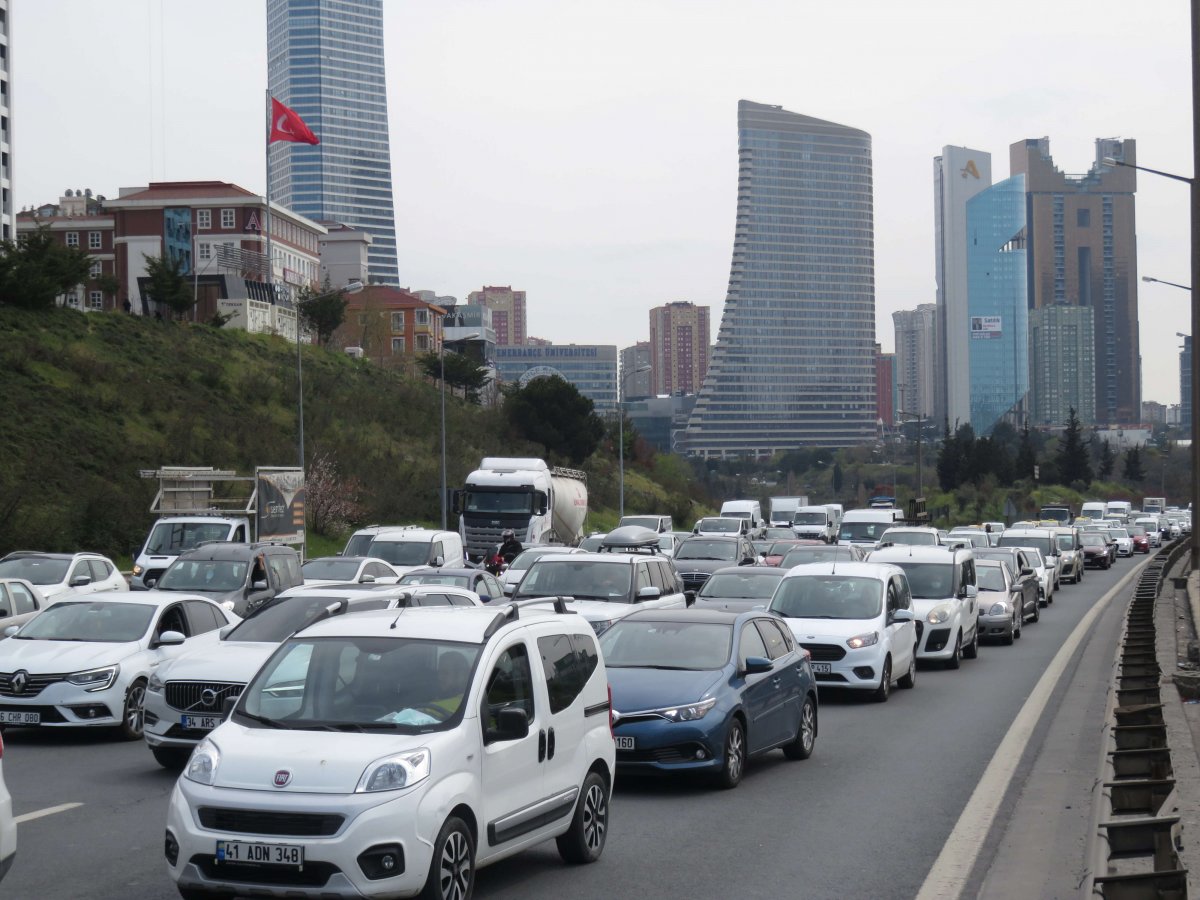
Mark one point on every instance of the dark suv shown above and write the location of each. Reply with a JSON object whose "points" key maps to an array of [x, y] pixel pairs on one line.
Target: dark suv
{"points": [[702, 554], [240, 577]]}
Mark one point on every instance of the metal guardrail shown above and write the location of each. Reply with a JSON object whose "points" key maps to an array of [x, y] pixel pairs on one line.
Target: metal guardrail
{"points": [[1137, 839]]}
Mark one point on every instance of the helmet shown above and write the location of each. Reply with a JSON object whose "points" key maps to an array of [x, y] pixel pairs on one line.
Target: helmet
{"points": [[508, 533]]}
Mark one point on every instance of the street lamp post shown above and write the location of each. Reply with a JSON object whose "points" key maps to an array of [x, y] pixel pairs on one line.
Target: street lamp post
{"points": [[442, 365], [621, 434], [920, 420]]}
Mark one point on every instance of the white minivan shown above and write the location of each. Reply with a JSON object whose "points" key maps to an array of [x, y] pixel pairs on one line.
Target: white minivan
{"points": [[406, 549], [386, 755]]}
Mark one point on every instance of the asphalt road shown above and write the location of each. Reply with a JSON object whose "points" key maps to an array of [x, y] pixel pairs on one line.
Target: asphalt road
{"points": [[864, 817]]}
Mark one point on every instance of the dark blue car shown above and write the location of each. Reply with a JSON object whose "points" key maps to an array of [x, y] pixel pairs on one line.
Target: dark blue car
{"points": [[704, 690]]}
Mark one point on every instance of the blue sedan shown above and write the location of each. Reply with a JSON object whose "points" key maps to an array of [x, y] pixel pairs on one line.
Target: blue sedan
{"points": [[704, 690]]}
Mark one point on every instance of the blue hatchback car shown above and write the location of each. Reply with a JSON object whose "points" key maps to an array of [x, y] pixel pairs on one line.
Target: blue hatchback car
{"points": [[704, 690]]}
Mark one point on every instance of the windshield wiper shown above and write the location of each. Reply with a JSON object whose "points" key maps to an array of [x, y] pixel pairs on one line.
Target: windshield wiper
{"points": [[671, 668], [262, 720]]}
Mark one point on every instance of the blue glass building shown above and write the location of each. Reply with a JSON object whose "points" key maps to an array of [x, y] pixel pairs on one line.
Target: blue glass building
{"points": [[592, 368], [794, 363], [325, 61], [997, 302]]}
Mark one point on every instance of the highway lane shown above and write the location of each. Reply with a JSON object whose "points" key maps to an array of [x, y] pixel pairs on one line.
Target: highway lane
{"points": [[865, 817]]}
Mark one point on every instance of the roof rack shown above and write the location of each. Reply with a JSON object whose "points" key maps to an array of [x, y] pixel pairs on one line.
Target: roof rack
{"points": [[513, 612]]}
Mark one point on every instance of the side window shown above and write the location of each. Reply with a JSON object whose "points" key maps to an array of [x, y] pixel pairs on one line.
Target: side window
{"points": [[658, 577], [586, 656], [22, 600], [772, 637], [202, 617], [903, 594], [434, 600], [643, 578], [510, 684], [494, 590], [277, 563], [6, 607], [172, 620], [969, 574], [378, 570], [751, 644], [560, 668], [81, 568], [295, 576], [98, 569], [893, 599]]}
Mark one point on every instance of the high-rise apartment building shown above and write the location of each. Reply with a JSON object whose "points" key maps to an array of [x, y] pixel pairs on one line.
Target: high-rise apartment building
{"points": [[998, 314], [916, 359], [636, 383], [1083, 252], [958, 175], [1062, 365], [678, 347], [1185, 382], [325, 61], [885, 386], [794, 363], [508, 313]]}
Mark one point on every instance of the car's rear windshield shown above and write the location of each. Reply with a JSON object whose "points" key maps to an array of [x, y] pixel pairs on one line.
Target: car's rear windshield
{"points": [[463, 581], [401, 553], [284, 616], [800, 556], [929, 581], [694, 548], [913, 538], [331, 569], [862, 531], [667, 645], [1044, 544], [725, 525], [828, 597], [740, 586], [95, 622], [35, 569]]}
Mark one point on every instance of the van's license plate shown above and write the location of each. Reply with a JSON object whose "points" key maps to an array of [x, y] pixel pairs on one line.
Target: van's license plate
{"points": [[265, 854], [822, 668], [624, 743], [200, 723]]}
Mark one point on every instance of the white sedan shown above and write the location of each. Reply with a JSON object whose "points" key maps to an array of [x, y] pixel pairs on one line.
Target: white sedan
{"points": [[20, 601], [58, 574], [85, 661], [348, 570]]}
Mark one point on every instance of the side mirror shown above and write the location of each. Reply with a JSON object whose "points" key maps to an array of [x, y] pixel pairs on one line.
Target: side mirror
{"points": [[756, 665], [511, 725], [227, 706], [11, 630], [972, 591], [456, 503], [689, 598], [224, 632], [170, 639], [150, 583], [81, 580], [438, 562], [367, 579], [259, 586], [1027, 571], [648, 593], [899, 616]]}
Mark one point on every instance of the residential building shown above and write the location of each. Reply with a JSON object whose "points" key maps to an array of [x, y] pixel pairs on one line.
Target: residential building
{"points": [[325, 60], [1083, 252], [636, 374], [592, 368], [998, 315], [8, 222], [345, 255], [916, 360], [508, 312], [391, 326], [794, 363], [1185, 382], [679, 345], [958, 175], [1154, 413], [1062, 365], [79, 220], [885, 386]]}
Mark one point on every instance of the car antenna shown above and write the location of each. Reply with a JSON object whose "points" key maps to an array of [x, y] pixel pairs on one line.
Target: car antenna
{"points": [[397, 619]]}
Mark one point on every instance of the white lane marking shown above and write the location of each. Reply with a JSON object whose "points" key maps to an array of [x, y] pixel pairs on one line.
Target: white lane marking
{"points": [[953, 866], [48, 811]]}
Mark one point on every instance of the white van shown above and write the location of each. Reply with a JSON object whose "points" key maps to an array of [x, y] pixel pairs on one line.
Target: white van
{"points": [[836, 512], [782, 509], [1093, 509], [814, 522], [744, 509], [864, 526], [411, 548], [1121, 508]]}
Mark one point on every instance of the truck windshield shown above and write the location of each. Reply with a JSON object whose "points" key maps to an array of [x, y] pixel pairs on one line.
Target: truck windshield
{"points": [[810, 518], [173, 538], [498, 502]]}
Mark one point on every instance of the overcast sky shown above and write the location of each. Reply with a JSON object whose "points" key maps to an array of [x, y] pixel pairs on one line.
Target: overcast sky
{"points": [[587, 152]]}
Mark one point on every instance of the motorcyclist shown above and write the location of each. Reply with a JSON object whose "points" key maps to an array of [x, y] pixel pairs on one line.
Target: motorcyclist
{"points": [[510, 547]]}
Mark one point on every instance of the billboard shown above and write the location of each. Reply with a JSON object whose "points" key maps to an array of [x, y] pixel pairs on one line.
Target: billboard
{"points": [[280, 504], [985, 328], [177, 237]]}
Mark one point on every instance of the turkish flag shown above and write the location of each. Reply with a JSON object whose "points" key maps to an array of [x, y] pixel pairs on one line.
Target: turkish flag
{"points": [[286, 125]]}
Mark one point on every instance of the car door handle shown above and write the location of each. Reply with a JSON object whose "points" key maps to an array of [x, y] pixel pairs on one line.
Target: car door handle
{"points": [[541, 746], [550, 745]]}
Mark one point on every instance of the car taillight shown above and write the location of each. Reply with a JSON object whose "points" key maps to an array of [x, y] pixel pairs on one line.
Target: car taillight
{"points": [[610, 721]]}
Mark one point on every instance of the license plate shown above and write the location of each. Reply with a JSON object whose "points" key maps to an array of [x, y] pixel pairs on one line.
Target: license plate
{"points": [[201, 723], [624, 743], [264, 854], [822, 668], [20, 718]]}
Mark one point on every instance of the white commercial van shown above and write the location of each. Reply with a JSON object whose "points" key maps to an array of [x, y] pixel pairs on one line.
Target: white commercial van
{"points": [[1093, 509], [1120, 508], [864, 526], [744, 509]]}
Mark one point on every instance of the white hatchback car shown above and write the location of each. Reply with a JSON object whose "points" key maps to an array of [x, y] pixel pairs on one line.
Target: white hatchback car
{"points": [[856, 621], [8, 825], [385, 755], [58, 574], [346, 569], [85, 661], [516, 570]]}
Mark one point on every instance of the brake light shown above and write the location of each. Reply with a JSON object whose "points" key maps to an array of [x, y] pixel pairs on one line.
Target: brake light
{"points": [[610, 721]]}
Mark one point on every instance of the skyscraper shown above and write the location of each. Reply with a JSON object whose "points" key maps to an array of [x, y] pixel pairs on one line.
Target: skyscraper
{"points": [[1062, 365], [678, 347], [1083, 252], [8, 222], [916, 355], [325, 61], [508, 313], [958, 175], [794, 363], [635, 372]]}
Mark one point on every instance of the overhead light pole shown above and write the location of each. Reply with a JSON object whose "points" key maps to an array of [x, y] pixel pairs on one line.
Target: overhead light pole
{"points": [[920, 420], [442, 365]]}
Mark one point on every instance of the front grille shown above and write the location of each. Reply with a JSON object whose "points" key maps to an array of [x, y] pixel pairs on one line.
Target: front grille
{"points": [[314, 874], [829, 676], [191, 695], [34, 684], [253, 821], [693, 581], [683, 753], [825, 652]]}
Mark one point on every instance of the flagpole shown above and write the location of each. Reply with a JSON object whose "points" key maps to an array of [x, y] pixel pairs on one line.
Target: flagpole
{"points": [[267, 195]]}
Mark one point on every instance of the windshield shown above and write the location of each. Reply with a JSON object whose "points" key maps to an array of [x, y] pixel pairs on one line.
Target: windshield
{"points": [[725, 525], [989, 578], [35, 569], [358, 545], [204, 575], [176, 537], [401, 553], [913, 538], [736, 515], [810, 518], [740, 586], [861, 531], [762, 547], [1044, 544], [1065, 542], [592, 544], [462, 581], [502, 502], [1137, 531], [331, 569], [102, 622], [281, 617], [667, 645], [780, 534], [1118, 532], [828, 597], [362, 684], [702, 549], [1057, 513], [800, 556], [582, 579], [524, 559], [929, 581]]}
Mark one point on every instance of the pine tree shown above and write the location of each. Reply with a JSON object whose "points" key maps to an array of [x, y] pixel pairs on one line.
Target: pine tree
{"points": [[1134, 470], [1074, 463], [1026, 455], [1108, 460]]}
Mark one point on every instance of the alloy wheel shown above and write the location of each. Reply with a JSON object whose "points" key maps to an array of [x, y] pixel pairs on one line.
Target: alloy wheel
{"points": [[455, 875], [595, 817]]}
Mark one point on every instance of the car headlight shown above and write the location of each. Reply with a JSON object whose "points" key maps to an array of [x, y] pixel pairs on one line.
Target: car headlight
{"points": [[202, 767], [95, 679], [863, 640], [689, 712], [395, 772], [155, 684], [137, 570], [601, 627], [999, 608], [940, 614]]}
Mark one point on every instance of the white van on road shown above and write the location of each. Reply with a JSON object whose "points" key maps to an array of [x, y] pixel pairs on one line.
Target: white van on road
{"points": [[751, 510]]}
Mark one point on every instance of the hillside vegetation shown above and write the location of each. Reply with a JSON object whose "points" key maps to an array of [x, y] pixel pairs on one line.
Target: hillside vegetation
{"points": [[89, 400]]}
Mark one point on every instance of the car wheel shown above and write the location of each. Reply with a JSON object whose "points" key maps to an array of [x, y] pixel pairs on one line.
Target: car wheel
{"points": [[584, 841], [735, 756], [133, 717], [971, 651], [955, 659], [1013, 631], [909, 679], [452, 870], [1037, 613], [1041, 599], [806, 734], [884, 690], [174, 758]]}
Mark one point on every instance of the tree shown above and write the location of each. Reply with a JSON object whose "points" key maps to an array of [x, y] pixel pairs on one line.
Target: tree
{"points": [[1074, 462], [1108, 459], [322, 311], [331, 500], [550, 411], [168, 285], [461, 372], [1134, 469], [839, 478], [1026, 455], [109, 284], [36, 268]]}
